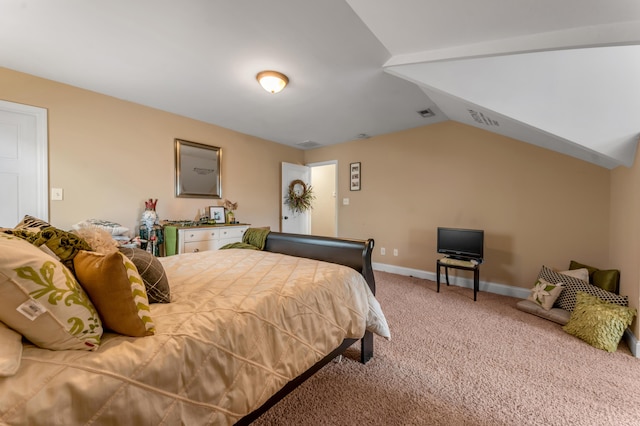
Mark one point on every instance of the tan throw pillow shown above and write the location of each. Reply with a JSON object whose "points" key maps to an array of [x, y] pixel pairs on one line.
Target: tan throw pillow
{"points": [[41, 299], [10, 351], [544, 293], [116, 289]]}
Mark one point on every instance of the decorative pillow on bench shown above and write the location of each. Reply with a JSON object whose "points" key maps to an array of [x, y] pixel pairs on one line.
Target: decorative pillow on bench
{"points": [[567, 299], [601, 324], [545, 293], [608, 280]]}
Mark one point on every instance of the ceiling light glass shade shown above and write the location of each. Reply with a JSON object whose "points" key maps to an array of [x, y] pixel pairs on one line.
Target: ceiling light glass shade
{"points": [[272, 81]]}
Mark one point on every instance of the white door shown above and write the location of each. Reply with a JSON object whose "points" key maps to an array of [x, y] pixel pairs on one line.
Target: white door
{"points": [[23, 163], [294, 222]]}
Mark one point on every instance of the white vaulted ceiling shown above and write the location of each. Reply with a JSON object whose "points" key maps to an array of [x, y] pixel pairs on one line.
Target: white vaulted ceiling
{"points": [[564, 75]]}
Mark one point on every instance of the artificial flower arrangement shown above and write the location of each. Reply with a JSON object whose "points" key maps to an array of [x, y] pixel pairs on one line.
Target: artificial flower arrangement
{"points": [[231, 207]]}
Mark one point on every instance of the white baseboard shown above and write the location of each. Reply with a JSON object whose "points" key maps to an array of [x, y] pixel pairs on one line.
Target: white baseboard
{"points": [[489, 287], [503, 289], [633, 343]]}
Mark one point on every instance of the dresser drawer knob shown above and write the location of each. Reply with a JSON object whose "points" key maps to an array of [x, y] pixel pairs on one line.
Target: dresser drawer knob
{"points": [[196, 250]]}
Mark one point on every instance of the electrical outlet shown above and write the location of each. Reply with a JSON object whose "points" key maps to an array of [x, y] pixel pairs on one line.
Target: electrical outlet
{"points": [[56, 194], [383, 251], [395, 252]]}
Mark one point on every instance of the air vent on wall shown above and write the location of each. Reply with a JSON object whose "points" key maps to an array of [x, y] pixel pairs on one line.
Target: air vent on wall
{"points": [[426, 113], [308, 144]]}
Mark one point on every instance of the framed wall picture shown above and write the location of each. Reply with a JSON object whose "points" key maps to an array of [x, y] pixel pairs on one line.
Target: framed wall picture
{"points": [[354, 176], [217, 214], [197, 170]]}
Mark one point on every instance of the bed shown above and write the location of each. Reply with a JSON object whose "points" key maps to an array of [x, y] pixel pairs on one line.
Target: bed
{"points": [[243, 329]]}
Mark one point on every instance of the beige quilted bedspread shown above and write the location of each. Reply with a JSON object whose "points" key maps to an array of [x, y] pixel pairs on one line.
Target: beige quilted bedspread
{"points": [[241, 324]]}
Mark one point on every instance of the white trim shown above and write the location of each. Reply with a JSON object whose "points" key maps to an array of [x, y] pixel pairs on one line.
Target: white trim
{"points": [[632, 342], [42, 153], [503, 289]]}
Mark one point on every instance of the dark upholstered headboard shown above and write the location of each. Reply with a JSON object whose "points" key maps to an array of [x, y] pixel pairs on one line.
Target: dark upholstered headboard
{"points": [[355, 254]]}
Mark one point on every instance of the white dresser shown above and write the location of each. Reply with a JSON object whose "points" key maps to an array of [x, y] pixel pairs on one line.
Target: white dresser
{"points": [[202, 238]]}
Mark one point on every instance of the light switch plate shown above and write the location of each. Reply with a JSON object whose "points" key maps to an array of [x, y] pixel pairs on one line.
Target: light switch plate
{"points": [[345, 201], [56, 194]]}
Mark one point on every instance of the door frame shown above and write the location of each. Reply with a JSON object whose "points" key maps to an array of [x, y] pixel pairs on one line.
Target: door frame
{"points": [[335, 189], [42, 153]]}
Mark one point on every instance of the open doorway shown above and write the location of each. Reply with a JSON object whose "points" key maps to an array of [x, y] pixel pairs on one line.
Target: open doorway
{"points": [[324, 215]]}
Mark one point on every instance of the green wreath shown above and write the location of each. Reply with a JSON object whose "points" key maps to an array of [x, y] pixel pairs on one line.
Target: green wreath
{"points": [[299, 200]]}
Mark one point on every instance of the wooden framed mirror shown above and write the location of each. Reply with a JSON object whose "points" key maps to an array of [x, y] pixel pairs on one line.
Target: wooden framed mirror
{"points": [[197, 170]]}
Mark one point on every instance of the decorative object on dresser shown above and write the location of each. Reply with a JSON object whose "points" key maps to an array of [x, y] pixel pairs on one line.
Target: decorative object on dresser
{"points": [[231, 208], [216, 215], [150, 229], [197, 170]]}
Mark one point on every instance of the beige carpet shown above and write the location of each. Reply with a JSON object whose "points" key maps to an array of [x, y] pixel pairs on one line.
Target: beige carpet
{"points": [[456, 362]]}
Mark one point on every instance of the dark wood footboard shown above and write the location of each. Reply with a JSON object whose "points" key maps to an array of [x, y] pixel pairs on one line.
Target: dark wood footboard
{"points": [[355, 254]]}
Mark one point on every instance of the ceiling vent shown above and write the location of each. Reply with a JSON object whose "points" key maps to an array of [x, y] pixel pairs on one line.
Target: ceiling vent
{"points": [[482, 118], [425, 113], [308, 144]]}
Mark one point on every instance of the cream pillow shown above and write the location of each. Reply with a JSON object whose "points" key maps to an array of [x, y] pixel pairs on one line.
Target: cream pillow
{"points": [[10, 351], [581, 274], [41, 299], [117, 290], [545, 293]]}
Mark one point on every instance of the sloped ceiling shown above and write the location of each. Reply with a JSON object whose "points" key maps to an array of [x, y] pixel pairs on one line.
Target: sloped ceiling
{"points": [[559, 74]]}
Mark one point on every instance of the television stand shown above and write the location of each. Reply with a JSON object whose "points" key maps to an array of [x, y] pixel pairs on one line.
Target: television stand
{"points": [[465, 265]]}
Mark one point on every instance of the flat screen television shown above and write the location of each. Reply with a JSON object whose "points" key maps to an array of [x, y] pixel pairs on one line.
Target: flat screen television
{"points": [[461, 243]]}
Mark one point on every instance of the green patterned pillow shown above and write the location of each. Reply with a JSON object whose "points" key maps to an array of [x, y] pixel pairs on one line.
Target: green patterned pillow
{"points": [[117, 290], [41, 299], [32, 224], [65, 245], [545, 293], [601, 324]]}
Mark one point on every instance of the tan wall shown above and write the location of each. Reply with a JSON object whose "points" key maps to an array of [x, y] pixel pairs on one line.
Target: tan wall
{"points": [[537, 207], [110, 155], [625, 232]]}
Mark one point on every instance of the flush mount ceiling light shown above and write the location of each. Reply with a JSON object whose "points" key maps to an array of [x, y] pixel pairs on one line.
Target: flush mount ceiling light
{"points": [[272, 81]]}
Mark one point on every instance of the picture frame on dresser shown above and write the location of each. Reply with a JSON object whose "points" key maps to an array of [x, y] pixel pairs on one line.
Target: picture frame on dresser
{"points": [[217, 214], [197, 170]]}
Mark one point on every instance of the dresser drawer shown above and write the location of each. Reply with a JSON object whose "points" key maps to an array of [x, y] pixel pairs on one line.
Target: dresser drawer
{"points": [[231, 233], [200, 234], [196, 246]]}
